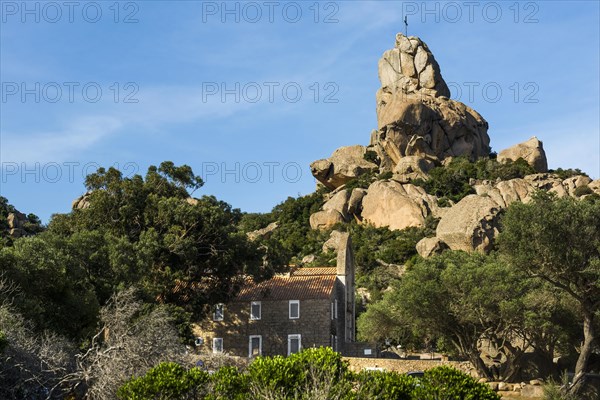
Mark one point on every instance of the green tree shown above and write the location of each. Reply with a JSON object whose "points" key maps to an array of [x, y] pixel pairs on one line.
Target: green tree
{"points": [[148, 231], [460, 299], [558, 241]]}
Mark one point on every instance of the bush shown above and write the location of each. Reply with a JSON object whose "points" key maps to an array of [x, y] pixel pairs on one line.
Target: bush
{"points": [[311, 374], [384, 386], [288, 375], [583, 190], [451, 182], [228, 384], [165, 381], [450, 384]]}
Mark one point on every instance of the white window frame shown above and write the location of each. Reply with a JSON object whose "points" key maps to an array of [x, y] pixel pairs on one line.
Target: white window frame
{"points": [[295, 336], [222, 307], [259, 304], [290, 309], [250, 345], [214, 345]]}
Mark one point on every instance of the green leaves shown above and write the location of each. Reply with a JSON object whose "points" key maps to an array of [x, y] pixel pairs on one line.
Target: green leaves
{"points": [[313, 373], [166, 381]]}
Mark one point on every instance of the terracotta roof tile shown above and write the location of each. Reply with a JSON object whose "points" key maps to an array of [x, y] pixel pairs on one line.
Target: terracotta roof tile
{"points": [[301, 284]]}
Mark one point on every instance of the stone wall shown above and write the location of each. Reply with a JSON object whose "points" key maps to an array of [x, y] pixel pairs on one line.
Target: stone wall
{"points": [[314, 325], [404, 366]]}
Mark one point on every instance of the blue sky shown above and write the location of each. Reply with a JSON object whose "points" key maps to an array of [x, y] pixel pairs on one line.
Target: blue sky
{"points": [[180, 81]]}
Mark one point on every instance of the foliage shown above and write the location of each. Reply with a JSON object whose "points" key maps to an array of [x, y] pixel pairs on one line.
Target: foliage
{"points": [[384, 386], [448, 383], [558, 241], [31, 226], [130, 340], [228, 384], [462, 299], [287, 374], [311, 374], [148, 232], [583, 190], [567, 173], [451, 182], [166, 381], [372, 156]]}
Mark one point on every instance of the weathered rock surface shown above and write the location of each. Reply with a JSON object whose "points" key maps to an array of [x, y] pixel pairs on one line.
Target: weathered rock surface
{"points": [[414, 113], [81, 202], [428, 247], [355, 202], [521, 189], [413, 167], [325, 219], [345, 163], [396, 205], [531, 151], [16, 224], [338, 202], [263, 233], [470, 225]]}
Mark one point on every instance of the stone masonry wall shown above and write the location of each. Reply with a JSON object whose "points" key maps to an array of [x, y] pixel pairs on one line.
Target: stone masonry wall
{"points": [[314, 326], [404, 366]]}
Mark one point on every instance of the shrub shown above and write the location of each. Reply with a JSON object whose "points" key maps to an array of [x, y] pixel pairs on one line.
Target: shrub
{"points": [[450, 384], [384, 386], [164, 382], [583, 190], [228, 384], [287, 375]]}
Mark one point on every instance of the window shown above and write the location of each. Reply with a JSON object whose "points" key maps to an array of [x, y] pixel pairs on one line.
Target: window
{"points": [[255, 346], [294, 309], [217, 345], [218, 313], [294, 344], [255, 310], [332, 310], [335, 309]]}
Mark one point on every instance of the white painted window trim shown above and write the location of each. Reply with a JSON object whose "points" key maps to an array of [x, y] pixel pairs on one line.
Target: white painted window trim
{"points": [[295, 336], [290, 308], [222, 306], [259, 345], [214, 345], [253, 317]]}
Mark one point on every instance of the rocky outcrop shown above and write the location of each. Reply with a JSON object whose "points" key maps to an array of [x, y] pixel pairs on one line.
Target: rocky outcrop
{"points": [[16, 224], [338, 202], [325, 219], [345, 164], [521, 189], [397, 206], [413, 167], [531, 151], [264, 233], [428, 247], [470, 225], [81, 202], [355, 202], [414, 113]]}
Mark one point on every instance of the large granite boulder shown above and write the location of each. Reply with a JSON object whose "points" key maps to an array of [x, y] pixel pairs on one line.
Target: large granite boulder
{"points": [[428, 247], [414, 113], [470, 225], [396, 205], [531, 151], [264, 233], [325, 219], [345, 164]]}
